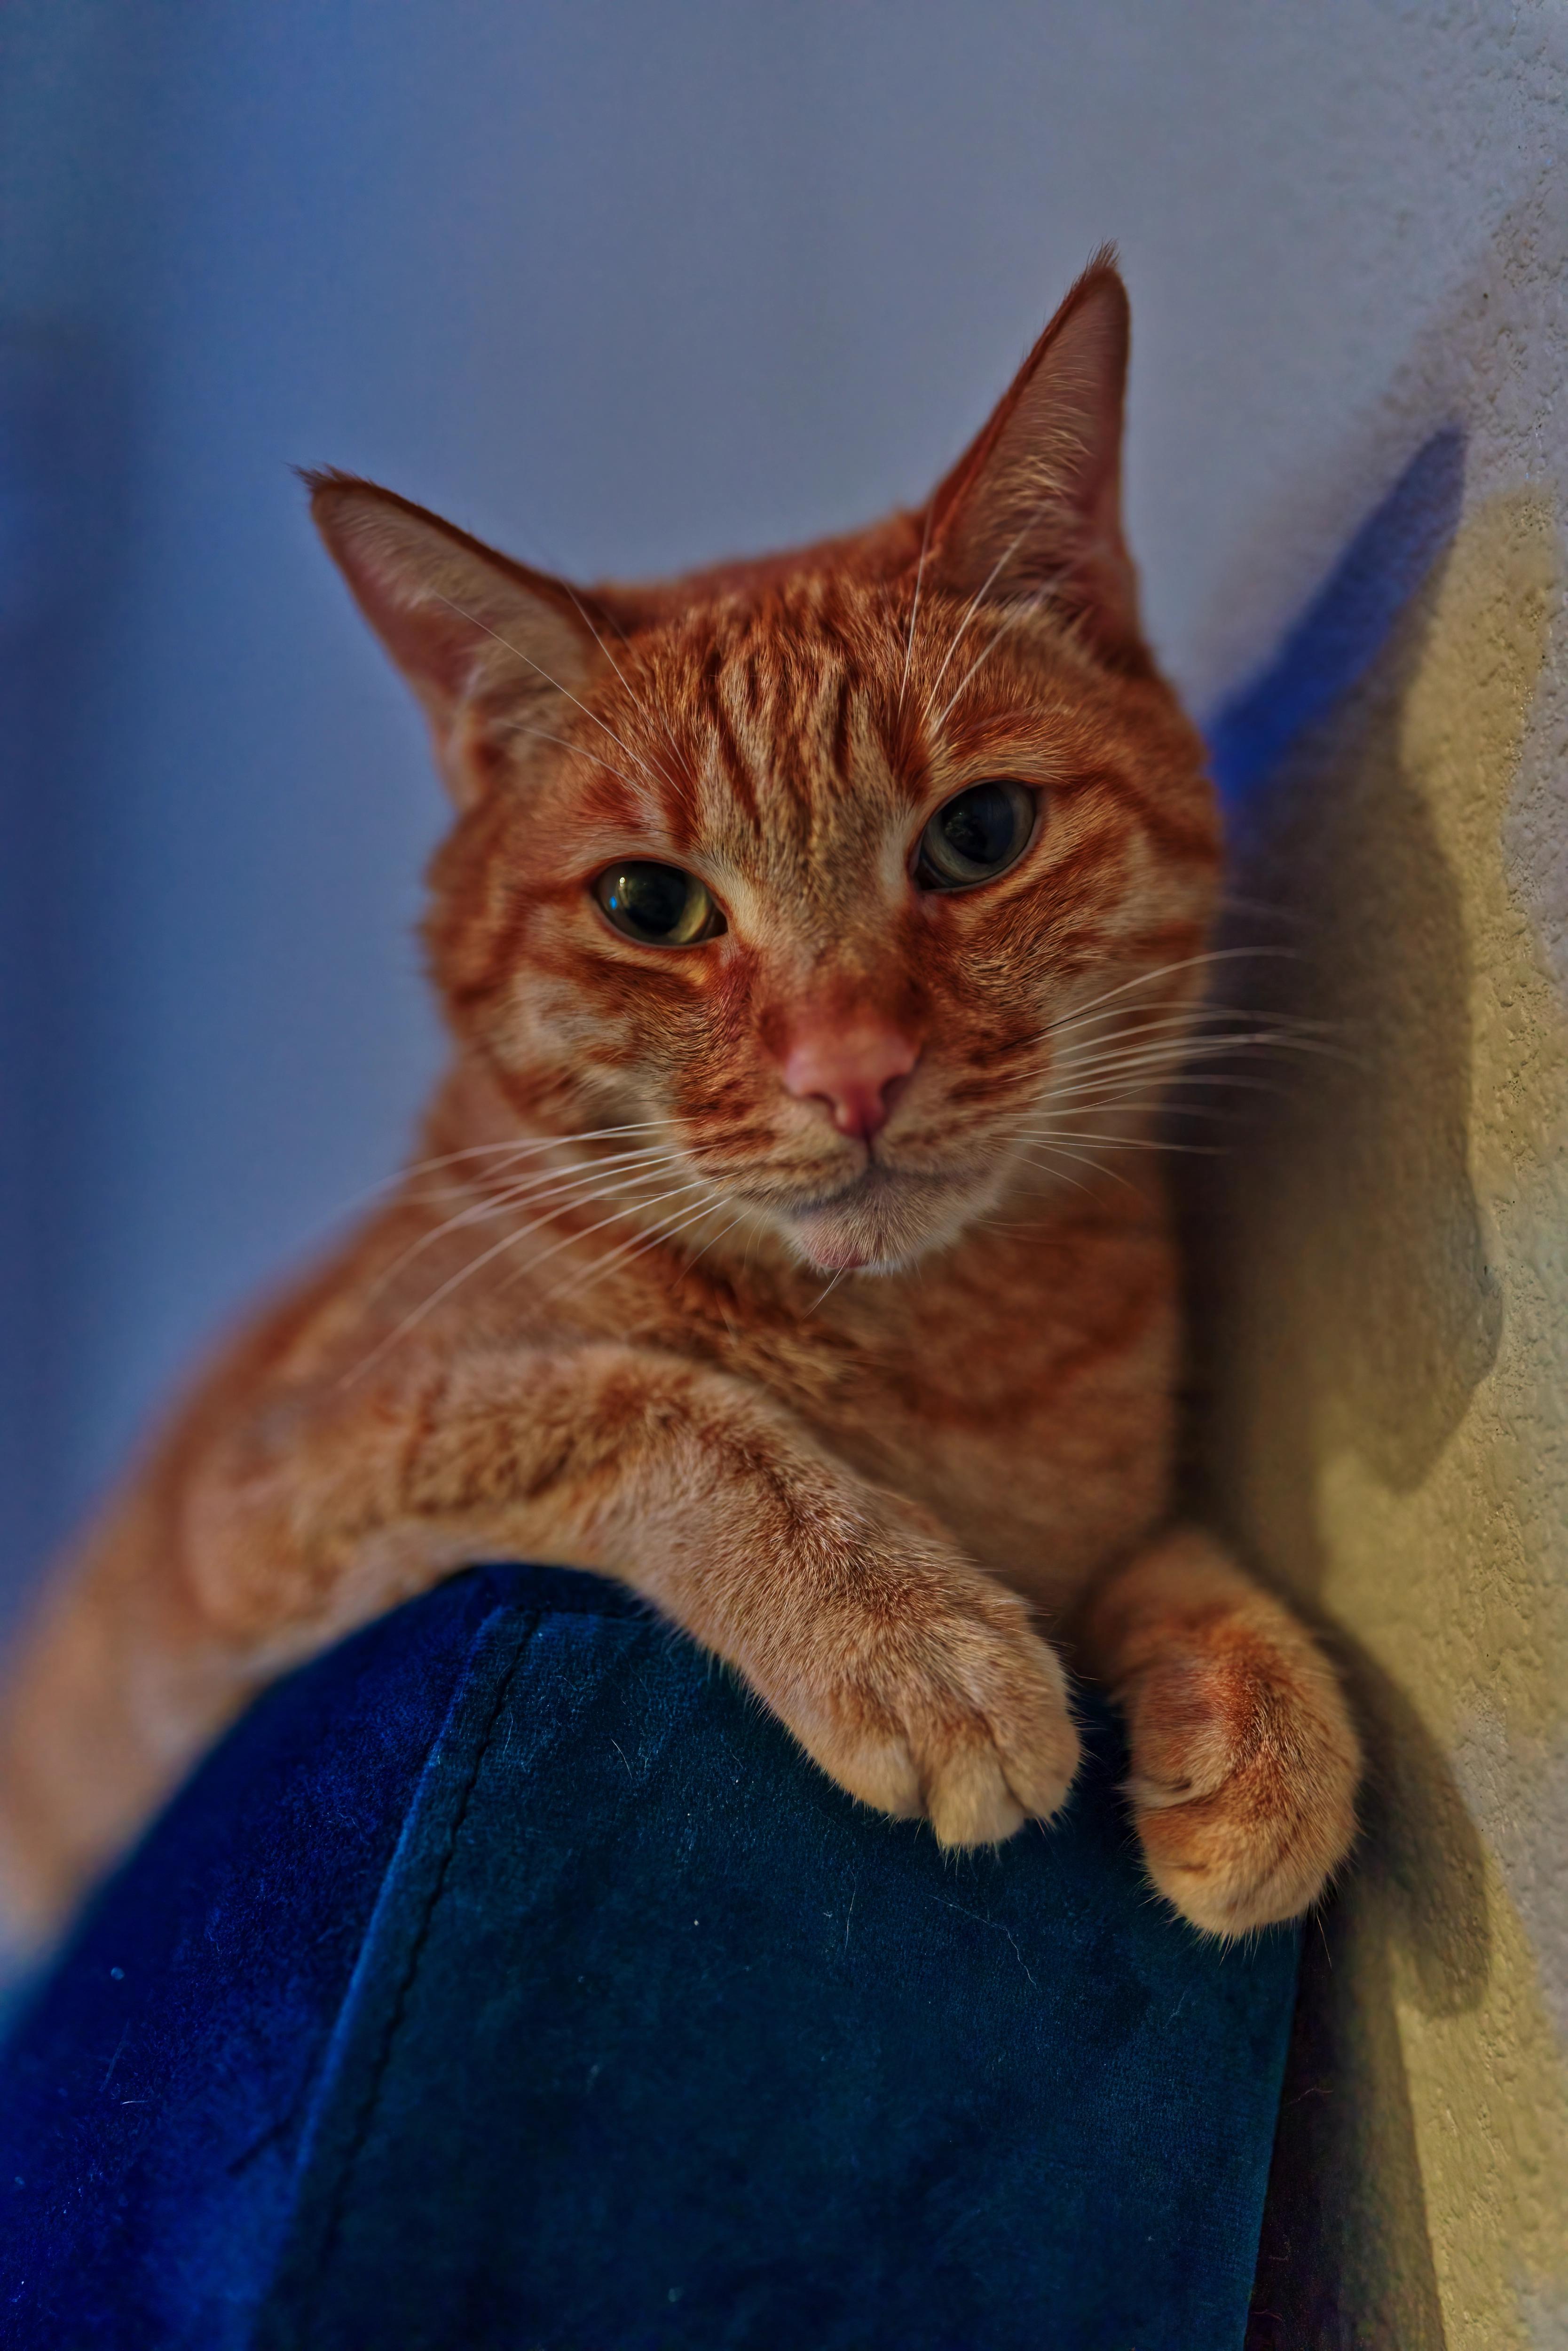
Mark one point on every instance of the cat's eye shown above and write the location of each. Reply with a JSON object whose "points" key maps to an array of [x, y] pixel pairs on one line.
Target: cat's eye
{"points": [[658, 905], [975, 834]]}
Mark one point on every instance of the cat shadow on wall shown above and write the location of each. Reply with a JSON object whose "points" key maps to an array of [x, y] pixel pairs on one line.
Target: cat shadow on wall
{"points": [[1342, 1302]]}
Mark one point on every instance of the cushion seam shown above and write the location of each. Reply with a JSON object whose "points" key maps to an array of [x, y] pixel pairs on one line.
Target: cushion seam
{"points": [[331, 2234]]}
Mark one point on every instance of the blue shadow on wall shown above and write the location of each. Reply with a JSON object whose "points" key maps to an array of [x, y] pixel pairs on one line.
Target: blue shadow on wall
{"points": [[1345, 625]]}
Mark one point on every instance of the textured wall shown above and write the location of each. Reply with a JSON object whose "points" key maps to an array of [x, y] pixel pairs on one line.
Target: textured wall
{"points": [[626, 286], [1387, 1328]]}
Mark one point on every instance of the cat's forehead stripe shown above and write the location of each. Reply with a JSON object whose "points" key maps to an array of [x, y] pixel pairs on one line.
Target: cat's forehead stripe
{"points": [[770, 713]]}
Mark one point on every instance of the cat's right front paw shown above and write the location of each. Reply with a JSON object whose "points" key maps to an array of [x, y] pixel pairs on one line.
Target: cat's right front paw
{"points": [[929, 1693]]}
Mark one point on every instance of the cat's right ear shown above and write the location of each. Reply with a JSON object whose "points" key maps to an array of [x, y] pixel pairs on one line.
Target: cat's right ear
{"points": [[1033, 508], [467, 627]]}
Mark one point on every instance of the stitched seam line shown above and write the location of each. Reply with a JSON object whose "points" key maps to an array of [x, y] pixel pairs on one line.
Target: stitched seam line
{"points": [[333, 2230]]}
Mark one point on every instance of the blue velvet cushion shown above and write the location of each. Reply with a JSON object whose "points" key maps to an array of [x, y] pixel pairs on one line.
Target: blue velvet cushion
{"points": [[507, 1979]]}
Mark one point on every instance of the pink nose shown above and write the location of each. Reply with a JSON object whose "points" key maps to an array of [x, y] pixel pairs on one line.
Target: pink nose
{"points": [[854, 1068]]}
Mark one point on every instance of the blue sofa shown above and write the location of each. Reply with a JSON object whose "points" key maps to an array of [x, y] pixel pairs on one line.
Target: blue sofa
{"points": [[506, 1978]]}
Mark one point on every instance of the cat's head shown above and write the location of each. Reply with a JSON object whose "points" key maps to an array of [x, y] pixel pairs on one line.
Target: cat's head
{"points": [[852, 870]]}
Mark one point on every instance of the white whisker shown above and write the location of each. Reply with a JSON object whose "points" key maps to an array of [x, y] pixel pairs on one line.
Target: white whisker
{"points": [[1120, 1141], [518, 1149], [714, 1238], [1179, 1050], [1087, 1159], [487, 1256], [1150, 1058], [915, 607], [488, 1197], [475, 623], [698, 1184], [542, 735], [533, 1143], [1147, 979], [1015, 613], [555, 1185], [1006, 557], [635, 699], [832, 1285], [659, 712], [1078, 1185], [667, 1226], [1114, 1086]]}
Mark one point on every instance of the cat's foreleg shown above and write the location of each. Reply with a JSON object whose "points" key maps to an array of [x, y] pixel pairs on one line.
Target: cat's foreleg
{"points": [[1244, 1761], [910, 1675]]}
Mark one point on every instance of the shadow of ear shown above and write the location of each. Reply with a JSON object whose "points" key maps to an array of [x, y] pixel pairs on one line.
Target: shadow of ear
{"points": [[1345, 626]]}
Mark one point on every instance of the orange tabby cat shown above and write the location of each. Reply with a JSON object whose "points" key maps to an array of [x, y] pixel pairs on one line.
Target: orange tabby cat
{"points": [[812, 933]]}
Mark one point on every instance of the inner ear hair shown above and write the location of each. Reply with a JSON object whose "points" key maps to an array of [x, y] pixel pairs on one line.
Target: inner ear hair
{"points": [[1033, 508], [462, 621]]}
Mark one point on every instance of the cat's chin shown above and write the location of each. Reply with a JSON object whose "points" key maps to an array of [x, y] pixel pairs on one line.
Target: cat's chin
{"points": [[880, 1223]]}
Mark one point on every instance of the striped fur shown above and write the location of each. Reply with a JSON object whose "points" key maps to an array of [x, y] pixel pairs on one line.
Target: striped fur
{"points": [[870, 1414]]}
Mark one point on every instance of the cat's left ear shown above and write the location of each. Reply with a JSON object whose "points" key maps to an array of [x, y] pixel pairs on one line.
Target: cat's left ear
{"points": [[1033, 508], [475, 634]]}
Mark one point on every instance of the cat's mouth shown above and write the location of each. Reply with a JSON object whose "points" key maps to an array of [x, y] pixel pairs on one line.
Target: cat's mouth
{"points": [[880, 1219]]}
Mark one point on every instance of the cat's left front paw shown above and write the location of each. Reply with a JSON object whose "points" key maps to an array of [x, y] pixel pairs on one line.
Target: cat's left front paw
{"points": [[1244, 1771]]}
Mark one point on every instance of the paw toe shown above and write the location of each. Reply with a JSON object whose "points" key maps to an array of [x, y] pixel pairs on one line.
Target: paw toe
{"points": [[1228, 1869], [1243, 1784], [969, 1802], [1040, 1768]]}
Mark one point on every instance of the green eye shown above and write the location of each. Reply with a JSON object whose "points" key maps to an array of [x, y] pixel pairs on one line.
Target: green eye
{"points": [[974, 835], [658, 905]]}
